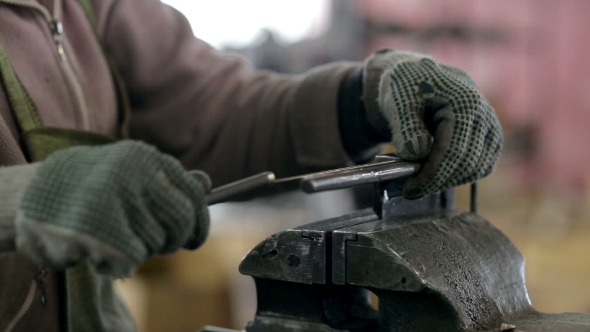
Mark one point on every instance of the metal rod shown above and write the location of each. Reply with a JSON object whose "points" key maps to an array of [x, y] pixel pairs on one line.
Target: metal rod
{"points": [[370, 173], [383, 161], [216, 329], [224, 193], [388, 169], [473, 203]]}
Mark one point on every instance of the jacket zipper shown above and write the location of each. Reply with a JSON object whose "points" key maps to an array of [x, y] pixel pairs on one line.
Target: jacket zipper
{"points": [[57, 32], [40, 281]]}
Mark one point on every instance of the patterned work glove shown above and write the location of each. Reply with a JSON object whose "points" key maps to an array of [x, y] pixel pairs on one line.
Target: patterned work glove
{"points": [[115, 205], [435, 113]]}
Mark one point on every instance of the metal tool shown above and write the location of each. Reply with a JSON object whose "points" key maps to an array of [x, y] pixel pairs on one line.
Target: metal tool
{"points": [[226, 192], [372, 173], [432, 267], [385, 169]]}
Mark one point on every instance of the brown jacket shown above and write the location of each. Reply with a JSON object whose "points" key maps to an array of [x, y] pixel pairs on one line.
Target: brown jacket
{"points": [[213, 112]]}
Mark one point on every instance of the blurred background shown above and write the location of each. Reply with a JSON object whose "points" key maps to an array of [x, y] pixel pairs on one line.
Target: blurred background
{"points": [[529, 57]]}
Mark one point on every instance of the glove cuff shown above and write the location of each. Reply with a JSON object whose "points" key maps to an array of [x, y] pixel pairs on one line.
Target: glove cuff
{"points": [[360, 139]]}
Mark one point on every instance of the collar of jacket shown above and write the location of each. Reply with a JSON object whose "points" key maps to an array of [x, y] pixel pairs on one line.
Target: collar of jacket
{"points": [[34, 4]]}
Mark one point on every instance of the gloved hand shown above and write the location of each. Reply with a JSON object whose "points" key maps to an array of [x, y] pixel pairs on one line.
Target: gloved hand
{"points": [[436, 114], [115, 205]]}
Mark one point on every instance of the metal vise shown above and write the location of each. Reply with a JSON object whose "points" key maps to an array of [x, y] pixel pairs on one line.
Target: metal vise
{"points": [[433, 268]]}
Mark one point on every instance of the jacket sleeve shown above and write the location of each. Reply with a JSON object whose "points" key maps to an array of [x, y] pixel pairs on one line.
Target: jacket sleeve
{"points": [[213, 111]]}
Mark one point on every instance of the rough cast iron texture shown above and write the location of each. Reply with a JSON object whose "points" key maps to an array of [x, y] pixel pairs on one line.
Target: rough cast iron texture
{"points": [[432, 268]]}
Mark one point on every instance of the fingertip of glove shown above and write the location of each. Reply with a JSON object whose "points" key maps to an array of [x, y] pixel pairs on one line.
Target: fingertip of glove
{"points": [[200, 234], [201, 229], [203, 178]]}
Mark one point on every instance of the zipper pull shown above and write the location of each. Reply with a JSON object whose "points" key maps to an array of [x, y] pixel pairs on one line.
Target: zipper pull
{"points": [[39, 278], [57, 29]]}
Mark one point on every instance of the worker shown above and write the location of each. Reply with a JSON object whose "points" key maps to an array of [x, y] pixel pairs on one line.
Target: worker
{"points": [[105, 105]]}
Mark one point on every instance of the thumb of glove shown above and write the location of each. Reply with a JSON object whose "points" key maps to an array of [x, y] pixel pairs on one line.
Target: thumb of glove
{"points": [[411, 137], [203, 178]]}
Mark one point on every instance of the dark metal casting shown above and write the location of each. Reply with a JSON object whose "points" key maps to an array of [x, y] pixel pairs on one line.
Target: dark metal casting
{"points": [[433, 268]]}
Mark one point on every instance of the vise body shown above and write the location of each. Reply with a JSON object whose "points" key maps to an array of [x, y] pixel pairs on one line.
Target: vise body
{"points": [[432, 268]]}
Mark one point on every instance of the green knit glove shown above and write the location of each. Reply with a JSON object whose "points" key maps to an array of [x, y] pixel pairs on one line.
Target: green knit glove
{"points": [[115, 205], [436, 114]]}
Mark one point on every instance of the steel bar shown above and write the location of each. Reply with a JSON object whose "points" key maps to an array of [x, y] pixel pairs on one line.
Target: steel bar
{"points": [[389, 169], [224, 193], [370, 173], [217, 329], [473, 204], [380, 161]]}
